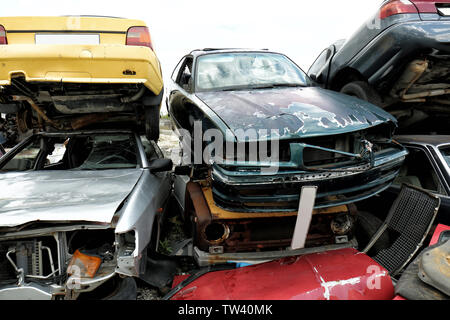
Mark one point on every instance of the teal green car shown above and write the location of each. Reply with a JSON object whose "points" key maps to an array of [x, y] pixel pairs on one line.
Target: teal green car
{"points": [[340, 144]]}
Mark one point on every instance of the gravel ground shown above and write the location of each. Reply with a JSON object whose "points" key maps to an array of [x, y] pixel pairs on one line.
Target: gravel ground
{"points": [[146, 292], [168, 141]]}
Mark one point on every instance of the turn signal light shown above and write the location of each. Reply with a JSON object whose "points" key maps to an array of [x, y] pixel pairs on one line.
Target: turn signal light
{"points": [[394, 7], [83, 265], [3, 35]]}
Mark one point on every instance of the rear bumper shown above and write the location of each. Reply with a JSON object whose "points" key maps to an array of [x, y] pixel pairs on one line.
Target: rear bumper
{"points": [[81, 64]]}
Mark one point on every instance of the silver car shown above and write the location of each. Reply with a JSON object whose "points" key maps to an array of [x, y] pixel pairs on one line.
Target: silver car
{"points": [[77, 211]]}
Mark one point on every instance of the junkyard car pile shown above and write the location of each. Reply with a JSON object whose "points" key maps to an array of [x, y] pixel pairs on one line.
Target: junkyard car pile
{"points": [[285, 190]]}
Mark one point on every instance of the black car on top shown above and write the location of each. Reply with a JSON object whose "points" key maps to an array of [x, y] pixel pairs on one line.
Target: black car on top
{"points": [[399, 60]]}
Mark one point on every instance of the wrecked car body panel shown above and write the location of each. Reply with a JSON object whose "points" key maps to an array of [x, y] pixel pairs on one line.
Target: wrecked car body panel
{"points": [[80, 218], [426, 167], [295, 112], [133, 216], [72, 72], [414, 283], [404, 61], [220, 231], [336, 188], [338, 143], [86, 196], [308, 277]]}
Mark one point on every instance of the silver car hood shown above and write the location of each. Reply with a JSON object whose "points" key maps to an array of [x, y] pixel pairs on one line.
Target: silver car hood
{"points": [[63, 196]]}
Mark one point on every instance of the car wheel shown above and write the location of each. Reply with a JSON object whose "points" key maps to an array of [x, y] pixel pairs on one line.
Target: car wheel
{"points": [[116, 288], [366, 227], [363, 91], [152, 123], [126, 290]]}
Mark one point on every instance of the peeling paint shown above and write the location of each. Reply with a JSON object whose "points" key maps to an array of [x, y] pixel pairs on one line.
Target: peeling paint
{"points": [[331, 284], [294, 112]]}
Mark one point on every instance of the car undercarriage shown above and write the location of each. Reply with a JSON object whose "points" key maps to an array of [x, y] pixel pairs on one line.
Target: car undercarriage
{"points": [[31, 107], [421, 92]]}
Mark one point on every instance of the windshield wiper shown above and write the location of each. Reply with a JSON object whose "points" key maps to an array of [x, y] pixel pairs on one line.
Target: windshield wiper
{"points": [[288, 85], [277, 85], [263, 86]]}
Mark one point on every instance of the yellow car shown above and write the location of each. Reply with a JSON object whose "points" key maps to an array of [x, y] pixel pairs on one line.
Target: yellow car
{"points": [[73, 72]]}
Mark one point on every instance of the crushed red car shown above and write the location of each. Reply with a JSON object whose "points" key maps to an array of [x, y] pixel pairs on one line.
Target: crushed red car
{"points": [[344, 274]]}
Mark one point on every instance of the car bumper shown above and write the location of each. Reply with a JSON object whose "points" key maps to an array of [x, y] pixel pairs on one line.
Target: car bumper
{"points": [[118, 64], [35, 291], [31, 291], [204, 258], [245, 191]]}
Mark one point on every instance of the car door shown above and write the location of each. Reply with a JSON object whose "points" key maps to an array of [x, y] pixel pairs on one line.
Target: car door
{"points": [[320, 69], [419, 169], [180, 109], [439, 156], [179, 96]]}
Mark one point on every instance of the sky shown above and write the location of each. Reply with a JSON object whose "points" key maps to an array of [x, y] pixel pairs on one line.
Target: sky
{"points": [[298, 28]]}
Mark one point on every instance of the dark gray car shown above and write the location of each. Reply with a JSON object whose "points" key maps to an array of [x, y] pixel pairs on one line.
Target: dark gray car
{"points": [[399, 60]]}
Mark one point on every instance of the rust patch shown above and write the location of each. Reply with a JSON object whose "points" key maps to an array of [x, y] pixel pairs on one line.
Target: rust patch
{"points": [[201, 211], [84, 121], [219, 213]]}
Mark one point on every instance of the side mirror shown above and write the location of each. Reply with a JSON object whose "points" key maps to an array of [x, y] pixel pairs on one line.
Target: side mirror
{"points": [[313, 77], [160, 165]]}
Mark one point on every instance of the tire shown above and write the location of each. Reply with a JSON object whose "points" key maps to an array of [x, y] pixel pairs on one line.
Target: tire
{"points": [[363, 91], [116, 288], [366, 227], [152, 123], [126, 290]]}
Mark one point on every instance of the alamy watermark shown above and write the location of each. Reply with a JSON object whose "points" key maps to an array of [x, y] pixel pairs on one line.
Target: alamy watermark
{"points": [[213, 146]]}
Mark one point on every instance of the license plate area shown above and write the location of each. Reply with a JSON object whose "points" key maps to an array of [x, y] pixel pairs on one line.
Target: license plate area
{"points": [[61, 38]]}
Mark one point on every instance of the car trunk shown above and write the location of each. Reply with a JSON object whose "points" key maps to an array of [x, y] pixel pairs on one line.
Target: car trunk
{"points": [[73, 72], [67, 30]]}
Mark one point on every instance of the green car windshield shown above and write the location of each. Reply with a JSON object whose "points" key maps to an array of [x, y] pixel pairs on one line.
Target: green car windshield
{"points": [[247, 70]]}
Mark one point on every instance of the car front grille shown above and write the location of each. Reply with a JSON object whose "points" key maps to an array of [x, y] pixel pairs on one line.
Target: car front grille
{"points": [[284, 195]]}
